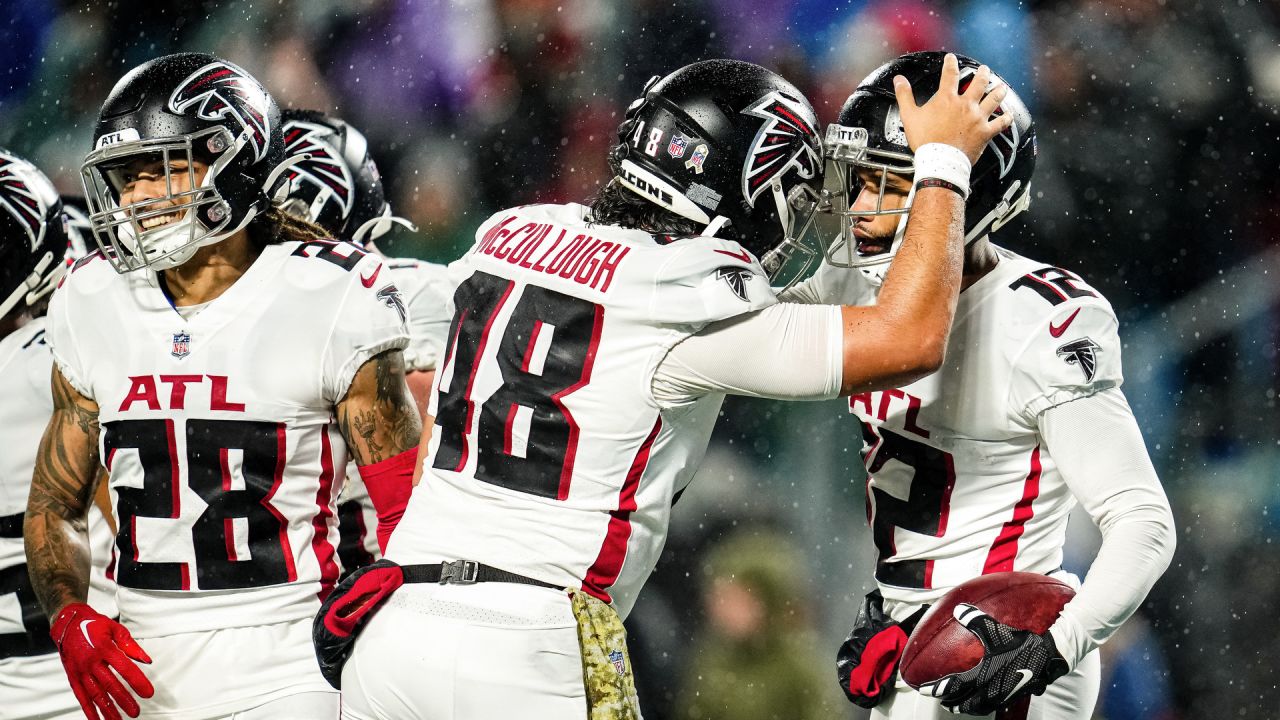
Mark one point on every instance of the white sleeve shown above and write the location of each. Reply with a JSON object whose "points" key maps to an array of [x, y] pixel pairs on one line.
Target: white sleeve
{"points": [[430, 307], [786, 352], [831, 285], [62, 343], [369, 321], [1098, 449], [1081, 359]]}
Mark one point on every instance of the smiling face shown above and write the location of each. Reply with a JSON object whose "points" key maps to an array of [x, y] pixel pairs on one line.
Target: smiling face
{"points": [[877, 191], [144, 181]]}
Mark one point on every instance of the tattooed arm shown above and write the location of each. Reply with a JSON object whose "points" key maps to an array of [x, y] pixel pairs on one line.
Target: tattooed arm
{"points": [[380, 422], [378, 417], [55, 529]]}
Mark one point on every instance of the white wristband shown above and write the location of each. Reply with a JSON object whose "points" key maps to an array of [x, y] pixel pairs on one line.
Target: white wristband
{"points": [[944, 162]]}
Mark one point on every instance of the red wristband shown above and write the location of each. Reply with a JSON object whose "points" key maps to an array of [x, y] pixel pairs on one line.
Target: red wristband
{"points": [[940, 183], [390, 483]]}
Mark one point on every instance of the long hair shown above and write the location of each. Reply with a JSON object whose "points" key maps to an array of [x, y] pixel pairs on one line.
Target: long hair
{"points": [[616, 205], [276, 226]]}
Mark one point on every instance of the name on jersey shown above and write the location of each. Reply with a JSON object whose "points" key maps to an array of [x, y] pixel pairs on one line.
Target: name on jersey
{"points": [[862, 404], [583, 259], [145, 390]]}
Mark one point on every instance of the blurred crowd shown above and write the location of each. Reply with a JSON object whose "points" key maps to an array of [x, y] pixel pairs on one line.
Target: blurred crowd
{"points": [[1159, 139]]}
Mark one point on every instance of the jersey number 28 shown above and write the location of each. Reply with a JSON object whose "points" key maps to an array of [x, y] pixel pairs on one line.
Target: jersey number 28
{"points": [[239, 504]]}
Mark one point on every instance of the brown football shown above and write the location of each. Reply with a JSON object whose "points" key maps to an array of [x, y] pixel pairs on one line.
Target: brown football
{"points": [[940, 645]]}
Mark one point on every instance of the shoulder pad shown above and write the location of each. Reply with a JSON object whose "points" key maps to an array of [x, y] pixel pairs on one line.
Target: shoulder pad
{"points": [[705, 279], [324, 262], [1042, 293], [92, 273]]}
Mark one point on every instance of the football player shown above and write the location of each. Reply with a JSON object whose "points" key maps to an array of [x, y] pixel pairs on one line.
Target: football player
{"points": [[226, 358], [33, 248], [588, 356], [338, 187], [974, 469]]}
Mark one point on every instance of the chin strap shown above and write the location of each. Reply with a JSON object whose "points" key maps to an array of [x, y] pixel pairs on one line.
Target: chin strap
{"points": [[716, 225], [36, 285]]}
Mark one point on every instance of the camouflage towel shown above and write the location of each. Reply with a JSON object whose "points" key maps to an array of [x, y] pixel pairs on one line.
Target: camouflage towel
{"points": [[606, 666]]}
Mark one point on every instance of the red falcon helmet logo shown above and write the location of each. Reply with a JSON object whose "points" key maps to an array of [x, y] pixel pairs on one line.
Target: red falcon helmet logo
{"points": [[322, 168], [788, 139], [223, 90], [19, 199]]}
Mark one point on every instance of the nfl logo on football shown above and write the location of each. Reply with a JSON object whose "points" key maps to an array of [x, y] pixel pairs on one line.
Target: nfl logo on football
{"points": [[619, 662], [181, 345], [677, 145]]}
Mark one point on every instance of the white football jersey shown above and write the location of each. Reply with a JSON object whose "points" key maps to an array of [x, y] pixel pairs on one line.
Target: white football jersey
{"points": [[219, 430], [550, 457], [27, 688], [959, 483], [428, 295]]}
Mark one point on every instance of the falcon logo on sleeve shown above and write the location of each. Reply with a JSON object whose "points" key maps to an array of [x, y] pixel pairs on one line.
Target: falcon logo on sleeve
{"points": [[1081, 352], [390, 296], [221, 90], [736, 278], [788, 139]]}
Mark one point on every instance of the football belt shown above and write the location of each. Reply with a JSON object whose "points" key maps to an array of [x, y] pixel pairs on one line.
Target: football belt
{"points": [[466, 572]]}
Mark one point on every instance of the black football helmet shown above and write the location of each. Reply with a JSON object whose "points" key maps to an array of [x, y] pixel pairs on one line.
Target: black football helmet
{"points": [[33, 234], [183, 107], [336, 185], [869, 134], [729, 145]]}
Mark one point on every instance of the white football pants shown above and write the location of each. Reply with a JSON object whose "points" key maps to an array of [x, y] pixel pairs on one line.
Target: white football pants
{"points": [[467, 652], [248, 673]]}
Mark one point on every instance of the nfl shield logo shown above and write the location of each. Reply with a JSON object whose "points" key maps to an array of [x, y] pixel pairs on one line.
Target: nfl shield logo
{"points": [[619, 662], [181, 345], [677, 145]]}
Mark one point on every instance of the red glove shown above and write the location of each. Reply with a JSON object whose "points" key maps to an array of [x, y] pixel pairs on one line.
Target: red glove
{"points": [[390, 483], [345, 612], [91, 646], [867, 662]]}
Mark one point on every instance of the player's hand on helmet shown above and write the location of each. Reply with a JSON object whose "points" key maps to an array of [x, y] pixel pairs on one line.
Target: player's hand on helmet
{"points": [[960, 119], [94, 650], [867, 662], [1015, 663]]}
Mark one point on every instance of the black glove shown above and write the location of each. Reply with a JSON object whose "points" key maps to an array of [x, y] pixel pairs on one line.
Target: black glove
{"points": [[867, 662], [1016, 663]]}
